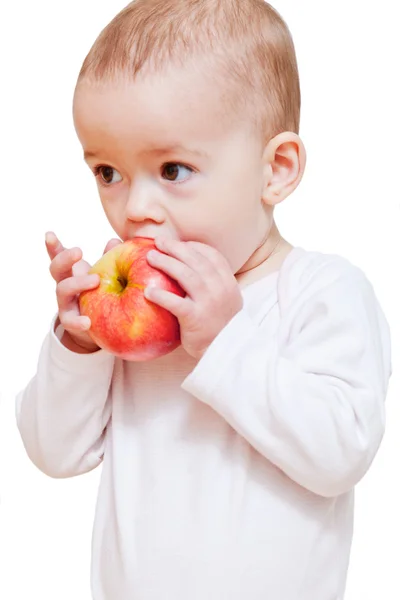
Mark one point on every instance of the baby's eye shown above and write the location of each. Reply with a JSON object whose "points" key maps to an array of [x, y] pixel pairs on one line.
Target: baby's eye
{"points": [[108, 175], [175, 172]]}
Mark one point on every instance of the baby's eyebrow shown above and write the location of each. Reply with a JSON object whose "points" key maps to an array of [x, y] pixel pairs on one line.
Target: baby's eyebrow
{"points": [[170, 149], [158, 151], [89, 154]]}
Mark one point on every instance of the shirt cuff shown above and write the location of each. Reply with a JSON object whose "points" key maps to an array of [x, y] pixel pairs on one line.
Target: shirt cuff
{"points": [[73, 361], [211, 368]]}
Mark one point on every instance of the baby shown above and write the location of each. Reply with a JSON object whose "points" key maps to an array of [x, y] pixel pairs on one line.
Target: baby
{"points": [[229, 464]]}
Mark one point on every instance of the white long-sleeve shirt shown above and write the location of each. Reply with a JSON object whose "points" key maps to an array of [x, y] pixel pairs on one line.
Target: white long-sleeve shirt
{"points": [[231, 478]]}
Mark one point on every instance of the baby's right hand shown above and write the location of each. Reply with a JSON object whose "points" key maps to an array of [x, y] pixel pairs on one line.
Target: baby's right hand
{"points": [[70, 273]]}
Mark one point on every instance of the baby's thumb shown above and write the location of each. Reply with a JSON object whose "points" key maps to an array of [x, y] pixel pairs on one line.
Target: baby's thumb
{"points": [[111, 244]]}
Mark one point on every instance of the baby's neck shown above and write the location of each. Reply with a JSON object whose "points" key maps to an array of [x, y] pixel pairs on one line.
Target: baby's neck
{"points": [[268, 258]]}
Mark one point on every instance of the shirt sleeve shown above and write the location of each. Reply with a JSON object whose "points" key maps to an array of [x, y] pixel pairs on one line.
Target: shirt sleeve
{"points": [[311, 398], [63, 412]]}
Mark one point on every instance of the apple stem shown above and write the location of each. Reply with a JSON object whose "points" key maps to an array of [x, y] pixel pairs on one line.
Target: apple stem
{"points": [[122, 281]]}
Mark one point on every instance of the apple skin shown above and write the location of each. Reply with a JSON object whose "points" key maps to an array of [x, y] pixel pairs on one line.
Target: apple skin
{"points": [[123, 321]]}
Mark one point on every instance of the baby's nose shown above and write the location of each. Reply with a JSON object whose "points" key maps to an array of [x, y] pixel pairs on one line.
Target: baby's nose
{"points": [[144, 205]]}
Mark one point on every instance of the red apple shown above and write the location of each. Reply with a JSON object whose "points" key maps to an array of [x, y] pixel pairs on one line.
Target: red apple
{"points": [[123, 321]]}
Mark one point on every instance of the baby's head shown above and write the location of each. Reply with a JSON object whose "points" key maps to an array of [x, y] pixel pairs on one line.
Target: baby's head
{"points": [[188, 113]]}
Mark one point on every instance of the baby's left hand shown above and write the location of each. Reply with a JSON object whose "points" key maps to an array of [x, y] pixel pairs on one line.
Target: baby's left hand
{"points": [[213, 294]]}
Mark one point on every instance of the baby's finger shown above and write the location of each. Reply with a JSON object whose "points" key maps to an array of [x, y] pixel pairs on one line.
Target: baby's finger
{"points": [[73, 322], [80, 268], [53, 245], [61, 265], [69, 289], [111, 244]]}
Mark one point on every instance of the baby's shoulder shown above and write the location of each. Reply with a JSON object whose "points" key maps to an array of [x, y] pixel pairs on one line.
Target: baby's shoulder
{"points": [[307, 271]]}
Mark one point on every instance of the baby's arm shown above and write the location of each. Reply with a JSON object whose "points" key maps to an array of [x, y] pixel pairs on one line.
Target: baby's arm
{"points": [[311, 399], [63, 412]]}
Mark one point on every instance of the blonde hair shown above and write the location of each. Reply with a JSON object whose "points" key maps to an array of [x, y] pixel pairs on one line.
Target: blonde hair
{"points": [[246, 41]]}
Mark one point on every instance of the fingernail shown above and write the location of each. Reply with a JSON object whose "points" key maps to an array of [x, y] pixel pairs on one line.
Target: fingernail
{"points": [[49, 237], [86, 323], [148, 291]]}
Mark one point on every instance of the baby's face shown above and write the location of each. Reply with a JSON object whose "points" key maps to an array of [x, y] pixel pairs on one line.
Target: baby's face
{"points": [[169, 161]]}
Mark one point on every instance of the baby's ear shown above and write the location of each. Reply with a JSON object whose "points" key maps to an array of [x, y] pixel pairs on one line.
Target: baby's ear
{"points": [[284, 163]]}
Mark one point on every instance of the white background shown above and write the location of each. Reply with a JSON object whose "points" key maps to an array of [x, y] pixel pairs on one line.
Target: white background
{"points": [[348, 203]]}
